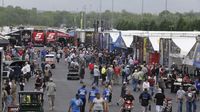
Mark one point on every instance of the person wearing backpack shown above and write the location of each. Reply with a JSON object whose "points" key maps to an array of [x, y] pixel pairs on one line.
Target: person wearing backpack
{"points": [[144, 99], [190, 96]]}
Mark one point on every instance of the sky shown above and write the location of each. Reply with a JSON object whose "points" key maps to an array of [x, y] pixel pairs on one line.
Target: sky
{"points": [[135, 6]]}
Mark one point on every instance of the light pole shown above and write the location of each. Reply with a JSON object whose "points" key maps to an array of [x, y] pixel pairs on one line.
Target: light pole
{"points": [[2, 3], [142, 7], [112, 13], [100, 9], [166, 5]]}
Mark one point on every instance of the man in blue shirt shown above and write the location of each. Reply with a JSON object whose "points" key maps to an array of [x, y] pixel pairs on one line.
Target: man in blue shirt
{"points": [[75, 104], [92, 94], [82, 92], [106, 94]]}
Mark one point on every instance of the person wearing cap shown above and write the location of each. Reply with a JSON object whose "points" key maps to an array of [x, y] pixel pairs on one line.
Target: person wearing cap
{"points": [[75, 104], [51, 92], [180, 98], [159, 99]]}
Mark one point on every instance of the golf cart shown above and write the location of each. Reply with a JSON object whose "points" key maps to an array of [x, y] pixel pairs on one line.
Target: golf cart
{"points": [[30, 101], [51, 59]]}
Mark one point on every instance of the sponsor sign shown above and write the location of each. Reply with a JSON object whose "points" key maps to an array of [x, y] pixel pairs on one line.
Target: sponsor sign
{"points": [[38, 36], [51, 36]]}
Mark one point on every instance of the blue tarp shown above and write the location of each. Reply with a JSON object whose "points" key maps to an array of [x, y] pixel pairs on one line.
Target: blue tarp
{"points": [[119, 42], [197, 57]]}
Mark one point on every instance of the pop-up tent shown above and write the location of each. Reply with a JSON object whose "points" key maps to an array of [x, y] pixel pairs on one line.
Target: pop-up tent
{"points": [[119, 42]]}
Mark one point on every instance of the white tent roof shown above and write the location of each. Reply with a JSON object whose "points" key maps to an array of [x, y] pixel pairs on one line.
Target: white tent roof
{"points": [[185, 44], [128, 39], [155, 42], [114, 36]]}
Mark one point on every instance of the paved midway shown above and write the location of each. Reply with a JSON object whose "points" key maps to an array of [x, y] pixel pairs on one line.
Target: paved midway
{"points": [[67, 89]]}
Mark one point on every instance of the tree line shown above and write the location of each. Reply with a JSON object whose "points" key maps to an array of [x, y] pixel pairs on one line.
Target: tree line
{"points": [[164, 21]]}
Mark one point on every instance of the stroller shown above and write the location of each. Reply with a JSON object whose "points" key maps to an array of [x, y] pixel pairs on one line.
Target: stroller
{"points": [[167, 105]]}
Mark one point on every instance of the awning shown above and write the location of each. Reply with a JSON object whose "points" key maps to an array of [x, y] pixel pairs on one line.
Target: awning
{"points": [[114, 36], [155, 42], [128, 39], [185, 44], [120, 43], [3, 42]]}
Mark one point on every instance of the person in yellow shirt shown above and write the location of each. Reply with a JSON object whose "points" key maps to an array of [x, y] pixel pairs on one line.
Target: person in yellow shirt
{"points": [[103, 74]]}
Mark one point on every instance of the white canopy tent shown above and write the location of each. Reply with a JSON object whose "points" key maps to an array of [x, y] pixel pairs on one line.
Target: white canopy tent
{"points": [[128, 39], [114, 36], [185, 44], [155, 42]]}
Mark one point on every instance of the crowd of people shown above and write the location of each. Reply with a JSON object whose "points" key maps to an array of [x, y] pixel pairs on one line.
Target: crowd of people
{"points": [[113, 69], [143, 78]]}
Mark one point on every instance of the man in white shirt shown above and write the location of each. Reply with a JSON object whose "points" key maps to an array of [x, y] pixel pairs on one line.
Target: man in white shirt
{"points": [[28, 68]]}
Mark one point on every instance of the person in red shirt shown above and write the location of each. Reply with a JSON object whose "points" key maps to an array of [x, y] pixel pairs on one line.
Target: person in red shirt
{"points": [[91, 68], [117, 72], [151, 81], [186, 79]]}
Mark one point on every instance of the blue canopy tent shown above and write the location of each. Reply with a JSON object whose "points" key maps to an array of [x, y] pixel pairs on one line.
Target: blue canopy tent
{"points": [[119, 43], [197, 57]]}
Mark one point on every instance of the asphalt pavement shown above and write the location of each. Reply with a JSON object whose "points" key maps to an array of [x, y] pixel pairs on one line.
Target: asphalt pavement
{"points": [[66, 90]]}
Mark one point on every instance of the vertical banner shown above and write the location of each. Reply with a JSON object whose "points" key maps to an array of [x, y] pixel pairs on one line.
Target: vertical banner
{"points": [[50, 36], [145, 49], [1, 71], [197, 56]]}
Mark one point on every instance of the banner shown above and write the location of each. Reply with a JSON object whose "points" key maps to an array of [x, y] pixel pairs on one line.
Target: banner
{"points": [[38, 37], [197, 56], [62, 35], [51, 36], [144, 49]]}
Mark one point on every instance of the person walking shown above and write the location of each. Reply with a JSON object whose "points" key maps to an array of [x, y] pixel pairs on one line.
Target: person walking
{"points": [[58, 56], [82, 73], [103, 74], [180, 98], [75, 104], [14, 92], [82, 92], [106, 95], [159, 99], [144, 99], [96, 76], [123, 92], [146, 85], [117, 71], [51, 92], [152, 82], [92, 94], [190, 97], [98, 104], [135, 80], [197, 86]]}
